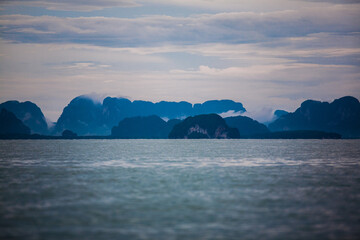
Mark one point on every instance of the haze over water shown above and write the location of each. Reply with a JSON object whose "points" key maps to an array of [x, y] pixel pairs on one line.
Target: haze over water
{"points": [[189, 189]]}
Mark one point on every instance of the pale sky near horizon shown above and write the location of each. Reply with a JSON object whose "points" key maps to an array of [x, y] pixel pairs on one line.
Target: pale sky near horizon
{"points": [[265, 54]]}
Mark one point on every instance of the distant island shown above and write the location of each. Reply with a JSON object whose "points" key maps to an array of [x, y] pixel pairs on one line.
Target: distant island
{"points": [[203, 126], [120, 118], [150, 127], [341, 116]]}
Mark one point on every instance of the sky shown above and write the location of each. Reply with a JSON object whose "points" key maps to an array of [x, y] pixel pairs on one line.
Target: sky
{"points": [[266, 54]]}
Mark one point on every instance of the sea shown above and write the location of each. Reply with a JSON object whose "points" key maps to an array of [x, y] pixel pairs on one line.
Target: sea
{"points": [[180, 189]]}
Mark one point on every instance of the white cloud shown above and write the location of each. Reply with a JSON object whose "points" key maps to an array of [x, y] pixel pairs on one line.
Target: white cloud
{"points": [[213, 5], [243, 5], [95, 97], [81, 66], [262, 115], [336, 1], [232, 28], [71, 5], [230, 113]]}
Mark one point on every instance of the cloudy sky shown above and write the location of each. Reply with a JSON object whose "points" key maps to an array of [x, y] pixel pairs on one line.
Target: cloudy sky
{"points": [[267, 54]]}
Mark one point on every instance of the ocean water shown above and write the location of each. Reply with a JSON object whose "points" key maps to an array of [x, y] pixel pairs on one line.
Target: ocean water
{"points": [[180, 189]]}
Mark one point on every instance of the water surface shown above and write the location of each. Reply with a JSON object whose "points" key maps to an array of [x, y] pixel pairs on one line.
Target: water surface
{"points": [[180, 189]]}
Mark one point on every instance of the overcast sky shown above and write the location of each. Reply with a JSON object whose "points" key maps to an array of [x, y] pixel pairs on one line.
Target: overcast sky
{"points": [[266, 54]]}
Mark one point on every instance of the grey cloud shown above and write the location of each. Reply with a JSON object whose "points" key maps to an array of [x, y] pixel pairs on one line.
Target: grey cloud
{"points": [[157, 30], [71, 5], [244, 5], [335, 1]]}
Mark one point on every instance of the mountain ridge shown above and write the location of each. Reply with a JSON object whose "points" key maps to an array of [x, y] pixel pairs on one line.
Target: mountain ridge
{"points": [[10, 124], [29, 113], [203, 126], [87, 117], [341, 116]]}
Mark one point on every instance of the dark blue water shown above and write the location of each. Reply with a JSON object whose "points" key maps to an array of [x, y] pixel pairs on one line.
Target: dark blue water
{"points": [[180, 189]]}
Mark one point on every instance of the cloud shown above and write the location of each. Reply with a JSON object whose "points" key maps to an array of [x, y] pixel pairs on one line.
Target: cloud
{"points": [[335, 1], [328, 49], [231, 28], [262, 115], [230, 113], [71, 5], [81, 66], [95, 97], [213, 5], [246, 5]]}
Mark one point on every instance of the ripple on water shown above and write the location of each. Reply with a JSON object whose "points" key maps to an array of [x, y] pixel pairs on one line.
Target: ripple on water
{"points": [[170, 189]]}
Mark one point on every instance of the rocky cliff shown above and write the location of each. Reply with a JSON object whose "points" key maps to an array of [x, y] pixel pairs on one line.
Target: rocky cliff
{"points": [[9, 124], [87, 117], [246, 125], [341, 116], [204, 126], [29, 113]]}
